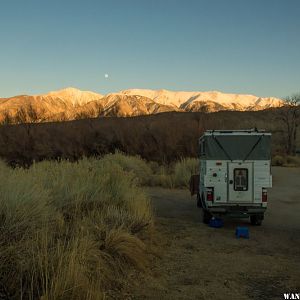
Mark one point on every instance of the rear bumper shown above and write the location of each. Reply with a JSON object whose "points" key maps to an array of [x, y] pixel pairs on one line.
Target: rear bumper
{"points": [[237, 210]]}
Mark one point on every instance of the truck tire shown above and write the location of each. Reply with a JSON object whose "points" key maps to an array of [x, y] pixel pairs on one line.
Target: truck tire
{"points": [[199, 202], [206, 216], [256, 220]]}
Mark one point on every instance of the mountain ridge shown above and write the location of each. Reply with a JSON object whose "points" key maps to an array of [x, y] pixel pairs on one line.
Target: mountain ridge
{"points": [[71, 103]]}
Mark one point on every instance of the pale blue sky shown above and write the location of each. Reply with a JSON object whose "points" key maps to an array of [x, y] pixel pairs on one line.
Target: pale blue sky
{"points": [[232, 46]]}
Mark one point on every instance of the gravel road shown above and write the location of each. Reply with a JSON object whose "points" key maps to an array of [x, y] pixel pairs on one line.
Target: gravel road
{"points": [[199, 262]]}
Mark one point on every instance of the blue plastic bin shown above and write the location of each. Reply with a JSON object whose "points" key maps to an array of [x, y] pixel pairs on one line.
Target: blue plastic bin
{"points": [[216, 222], [242, 232]]}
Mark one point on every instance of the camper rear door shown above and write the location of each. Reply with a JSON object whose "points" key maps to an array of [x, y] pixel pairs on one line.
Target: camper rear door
{"points": [[240, 182]]}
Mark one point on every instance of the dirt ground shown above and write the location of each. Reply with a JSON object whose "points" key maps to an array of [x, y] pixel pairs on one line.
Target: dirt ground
{"points": [[200, 262]]}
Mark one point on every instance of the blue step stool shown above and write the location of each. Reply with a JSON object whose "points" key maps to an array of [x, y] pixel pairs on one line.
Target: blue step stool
{"points": [[242, 232], [216, 222]]}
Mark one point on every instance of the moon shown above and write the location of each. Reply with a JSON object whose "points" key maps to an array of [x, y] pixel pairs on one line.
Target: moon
{"points": [[106, 75]]}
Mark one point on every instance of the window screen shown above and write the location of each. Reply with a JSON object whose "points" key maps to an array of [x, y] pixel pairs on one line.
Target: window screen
{"points": [[240, 179]]}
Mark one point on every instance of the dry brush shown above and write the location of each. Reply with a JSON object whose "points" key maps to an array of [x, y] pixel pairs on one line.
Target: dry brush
{"points": [[70, 230]]}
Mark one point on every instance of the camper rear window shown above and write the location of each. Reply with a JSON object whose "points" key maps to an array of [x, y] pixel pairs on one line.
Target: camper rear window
{"points": [[240, 179]]}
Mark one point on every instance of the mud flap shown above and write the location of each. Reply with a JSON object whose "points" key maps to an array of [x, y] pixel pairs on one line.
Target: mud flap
{"points": [[194, 184]]}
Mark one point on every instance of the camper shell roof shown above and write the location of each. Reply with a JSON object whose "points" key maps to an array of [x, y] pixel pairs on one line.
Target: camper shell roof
{"points": [[235, 145]]}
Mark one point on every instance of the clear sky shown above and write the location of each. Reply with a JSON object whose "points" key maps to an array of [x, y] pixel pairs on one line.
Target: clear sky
{"points": [[234, 46]]}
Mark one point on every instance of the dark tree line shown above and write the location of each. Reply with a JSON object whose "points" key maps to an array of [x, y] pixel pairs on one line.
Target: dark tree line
{"points": [[289, 115], [164, 137]]}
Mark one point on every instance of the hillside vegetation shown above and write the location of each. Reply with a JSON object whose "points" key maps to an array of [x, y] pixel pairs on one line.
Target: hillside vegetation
{"points": [[71, 230], [164, 138]]}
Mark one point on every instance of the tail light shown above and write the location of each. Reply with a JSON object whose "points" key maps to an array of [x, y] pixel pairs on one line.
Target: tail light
{"points": [[210, 195], [264, 196]]}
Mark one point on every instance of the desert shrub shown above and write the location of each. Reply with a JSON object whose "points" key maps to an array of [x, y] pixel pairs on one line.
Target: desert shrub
{"points": [[163, 177], [278, 160], [292, 161], [286, 161], [140, 168], [154, 166], [183, 170], [70, 230], [176, 175]]}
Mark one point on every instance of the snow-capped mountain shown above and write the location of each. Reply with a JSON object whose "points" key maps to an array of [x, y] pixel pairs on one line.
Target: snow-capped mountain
{"points": [[71, 103], [192, 101]]}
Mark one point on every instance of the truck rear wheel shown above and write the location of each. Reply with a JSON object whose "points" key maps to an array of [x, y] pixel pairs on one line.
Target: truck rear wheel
{"points": [[199, 203], [256, 220], [206, 216]]}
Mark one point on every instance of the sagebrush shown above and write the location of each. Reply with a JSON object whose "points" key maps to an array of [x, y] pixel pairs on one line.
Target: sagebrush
{"points": [[70, 230]]}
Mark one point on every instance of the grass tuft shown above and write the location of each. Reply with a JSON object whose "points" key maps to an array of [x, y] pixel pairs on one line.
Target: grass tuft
{"points": [[286, 161], [176, 175], [71, 230]]}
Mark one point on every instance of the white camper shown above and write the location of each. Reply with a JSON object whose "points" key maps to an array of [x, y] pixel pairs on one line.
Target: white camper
{"points": [[235, 173]]}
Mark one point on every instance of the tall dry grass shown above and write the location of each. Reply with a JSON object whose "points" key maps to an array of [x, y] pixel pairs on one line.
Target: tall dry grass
{"points": [[176, 175], [70, 230], [286, 161], [183, 170], [135, 164]]}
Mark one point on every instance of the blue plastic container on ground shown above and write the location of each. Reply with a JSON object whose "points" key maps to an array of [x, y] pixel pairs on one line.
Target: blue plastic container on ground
{"points": [[242, 232], [216, 222]]}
